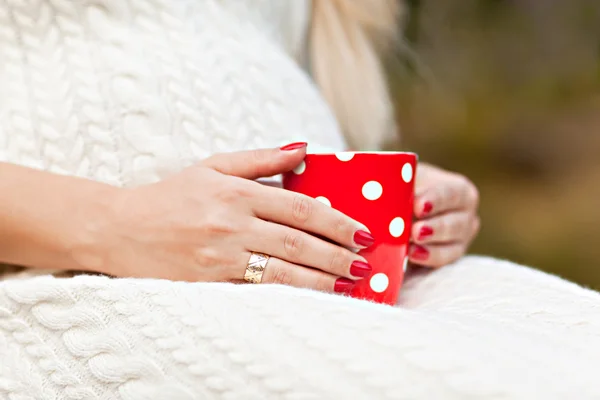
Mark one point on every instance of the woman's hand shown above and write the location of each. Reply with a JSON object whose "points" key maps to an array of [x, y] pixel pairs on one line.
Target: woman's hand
{"points": [[446, 211], [202, 225]]}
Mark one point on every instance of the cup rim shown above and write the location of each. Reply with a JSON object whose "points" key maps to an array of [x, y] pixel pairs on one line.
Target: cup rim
{"points": [[381, 153]]}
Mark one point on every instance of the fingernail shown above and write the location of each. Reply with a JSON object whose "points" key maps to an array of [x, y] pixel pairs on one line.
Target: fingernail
{"points": [[363, 238], [425, 232], [427, 207], [293, 146], [419, 252], [360, 269], [343, 285]]}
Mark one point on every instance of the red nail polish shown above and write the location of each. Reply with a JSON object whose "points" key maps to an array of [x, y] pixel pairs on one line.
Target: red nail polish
{"points": [[293, 146], [363, 238], [343, 285], [419, 252], [427, 207], [360, 269], [425, 232]]}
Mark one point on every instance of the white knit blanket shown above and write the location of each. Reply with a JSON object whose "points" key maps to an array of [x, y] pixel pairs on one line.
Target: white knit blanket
{"points": [[480, 329]]}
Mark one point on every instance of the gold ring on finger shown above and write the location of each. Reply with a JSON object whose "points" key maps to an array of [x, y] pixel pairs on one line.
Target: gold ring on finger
{"points": [[255, 267]]}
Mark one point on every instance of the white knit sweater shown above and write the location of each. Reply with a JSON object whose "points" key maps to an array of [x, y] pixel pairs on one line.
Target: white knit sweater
{"points": [[125, 91]]}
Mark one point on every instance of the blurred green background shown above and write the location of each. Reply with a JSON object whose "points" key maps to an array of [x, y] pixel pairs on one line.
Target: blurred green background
{"points": [[508, 93]]}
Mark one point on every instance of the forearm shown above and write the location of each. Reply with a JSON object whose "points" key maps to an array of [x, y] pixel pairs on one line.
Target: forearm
{"points": [[49, 220]]}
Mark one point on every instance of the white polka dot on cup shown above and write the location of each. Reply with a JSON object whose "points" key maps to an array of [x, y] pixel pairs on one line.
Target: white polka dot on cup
{"points": [[299, 170], [372, 190], [324, 200], [379, 282], [344, 156], [407, 173], [397, 227]]}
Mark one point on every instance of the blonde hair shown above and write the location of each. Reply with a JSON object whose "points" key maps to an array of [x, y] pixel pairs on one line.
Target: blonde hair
{"points": [[346, 40]]}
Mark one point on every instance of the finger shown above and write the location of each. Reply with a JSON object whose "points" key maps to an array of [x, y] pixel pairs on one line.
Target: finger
{"points": [[255, 164], [450, 227], [270, 182], [310, 215], [301, 248], [457, 193], [475, 228], [436, 256], [281, 272]]}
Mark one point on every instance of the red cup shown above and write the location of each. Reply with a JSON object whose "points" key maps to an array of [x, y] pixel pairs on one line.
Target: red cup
{"points": [[377, 190]]}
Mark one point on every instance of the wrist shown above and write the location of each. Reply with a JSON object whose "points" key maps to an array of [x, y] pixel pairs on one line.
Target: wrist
{"points": [[90, 239], [51, 221]]}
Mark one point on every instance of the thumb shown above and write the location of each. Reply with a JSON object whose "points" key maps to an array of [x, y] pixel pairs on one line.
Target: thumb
{"points": [[260, 163]]}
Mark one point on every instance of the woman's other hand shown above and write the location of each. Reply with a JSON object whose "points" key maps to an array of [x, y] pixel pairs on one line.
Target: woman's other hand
{"points": [[447, 221], [203, 223]]}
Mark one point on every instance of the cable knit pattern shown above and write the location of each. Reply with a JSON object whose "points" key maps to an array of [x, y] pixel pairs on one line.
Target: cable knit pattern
{"points": [[95, 337], [127, 91]]}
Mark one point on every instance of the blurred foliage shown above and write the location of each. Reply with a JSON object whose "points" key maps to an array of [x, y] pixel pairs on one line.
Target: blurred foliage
{"points": [[508, 93]]}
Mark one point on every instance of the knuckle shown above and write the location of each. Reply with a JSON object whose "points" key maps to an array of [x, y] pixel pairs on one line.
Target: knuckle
{"points": [[460, 187], [301, 208], [218, 225], [257, 160], [261, 158], [456, 195], [323, 283], [292, 244], [282, 276], [208, 257], [233, 193], [341, 228], [464, 225], [460, 223], [439, 194], [258, 156], [339, 261], [444, 196], [470, 190]]}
